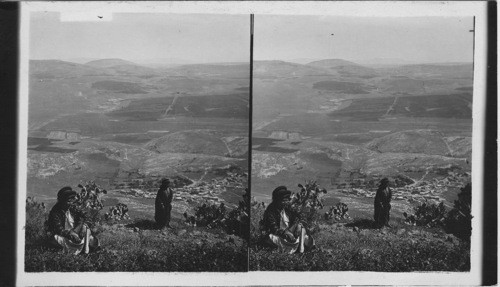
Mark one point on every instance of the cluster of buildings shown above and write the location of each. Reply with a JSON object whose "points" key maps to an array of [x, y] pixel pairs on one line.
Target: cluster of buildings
{"points": [[197, 192], [417, 191]]}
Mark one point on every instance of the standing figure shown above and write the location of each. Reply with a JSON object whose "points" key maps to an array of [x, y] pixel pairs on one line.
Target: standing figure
{"points": [[163, 204], [282, 224], [383, 203], [67, 227]]}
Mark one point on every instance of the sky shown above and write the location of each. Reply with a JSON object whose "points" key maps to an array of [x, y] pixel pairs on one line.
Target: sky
{"points": [[421, 40], [142, 36], [203, 38]]}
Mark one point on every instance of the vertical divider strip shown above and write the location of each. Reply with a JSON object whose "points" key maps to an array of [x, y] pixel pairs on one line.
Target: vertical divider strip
{"points": [[250, 109]]}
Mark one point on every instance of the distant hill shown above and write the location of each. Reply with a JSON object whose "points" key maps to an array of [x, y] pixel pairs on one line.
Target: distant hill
{"points": [[191, 141], [345, 68], [375, 62], [123, 67], [106, 63], [226, 70], [162, 62], [277, 69], [413, 141], [80, 60], [331, 63], [445, 70], [302, 60], [51, 69]]}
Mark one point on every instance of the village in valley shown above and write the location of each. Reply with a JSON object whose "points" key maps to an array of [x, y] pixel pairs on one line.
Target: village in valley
{"points": [[407, 189]]}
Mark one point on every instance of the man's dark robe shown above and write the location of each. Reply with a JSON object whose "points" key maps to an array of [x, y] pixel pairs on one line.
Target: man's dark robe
{"points": [[57, 219], [382, 205], [272, 217], [62, 222], [163, 206]]}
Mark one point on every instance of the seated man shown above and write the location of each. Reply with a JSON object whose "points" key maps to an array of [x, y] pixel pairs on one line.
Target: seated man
{"points": [[67, 227], [282, 224]]}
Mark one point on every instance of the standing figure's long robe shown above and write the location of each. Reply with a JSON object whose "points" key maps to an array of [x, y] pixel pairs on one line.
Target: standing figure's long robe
{"points": [[382, 206], [163, 206]]}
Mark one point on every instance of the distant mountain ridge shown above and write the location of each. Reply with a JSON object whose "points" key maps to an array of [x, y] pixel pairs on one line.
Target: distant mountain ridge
{"points": [[328, 63], [56, 68], [106, 63], [278, 68], [345, 68], [81, 60]]}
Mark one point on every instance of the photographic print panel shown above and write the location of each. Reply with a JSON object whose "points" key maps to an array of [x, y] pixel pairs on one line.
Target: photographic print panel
{"points": [[141, 120]]}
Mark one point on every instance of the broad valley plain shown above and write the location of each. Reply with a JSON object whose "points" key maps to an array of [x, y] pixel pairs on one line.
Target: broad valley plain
{"points": [[126, 126], [347, 125]]}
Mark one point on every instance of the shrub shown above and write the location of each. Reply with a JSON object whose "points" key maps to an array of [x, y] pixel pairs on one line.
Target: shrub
{"points": [[427, 214], [235, 221], [36, 221], [307, 202], [89, 202], [458, 220], [117, 212], [238, 220], [210, 215], [257, 214], [337, 212], [308, 196]]}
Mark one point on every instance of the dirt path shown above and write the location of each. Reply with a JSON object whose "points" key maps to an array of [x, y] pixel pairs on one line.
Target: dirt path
{"points": [[171, 106], [227, 147], [37, 126], [391, 107], [264, 124], [448, 147]]}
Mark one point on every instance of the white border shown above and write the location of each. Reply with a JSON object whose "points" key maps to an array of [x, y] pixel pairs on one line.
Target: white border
{"points": [[382, 9]]}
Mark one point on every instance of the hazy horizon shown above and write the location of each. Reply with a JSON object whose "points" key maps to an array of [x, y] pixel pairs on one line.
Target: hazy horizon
{"points": [[359, 39], [181, 39], [137, 37], [142, 62], [180, 62]]}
